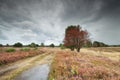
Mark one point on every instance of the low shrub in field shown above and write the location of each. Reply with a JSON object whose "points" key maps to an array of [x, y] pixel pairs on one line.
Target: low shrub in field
{"points": [[25, 49], [73, 66], [1, 50], [10, 50], [62, 47], [8, 57], [35, 48]]}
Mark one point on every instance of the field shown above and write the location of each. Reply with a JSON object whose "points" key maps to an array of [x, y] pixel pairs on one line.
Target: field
{"points": [[88, 64], [8, 55]]}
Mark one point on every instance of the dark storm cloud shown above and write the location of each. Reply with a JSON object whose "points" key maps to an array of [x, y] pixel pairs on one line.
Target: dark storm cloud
{"points": [[99, 17], [79, 10], [90, 10], [10, 11], [41, 20], [110, 7]]}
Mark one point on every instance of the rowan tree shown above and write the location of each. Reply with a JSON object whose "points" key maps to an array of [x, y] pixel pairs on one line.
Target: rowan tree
{"points": [[75, 37]]}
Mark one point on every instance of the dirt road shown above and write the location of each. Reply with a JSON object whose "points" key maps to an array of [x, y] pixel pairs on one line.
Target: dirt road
{"points": [[24, 69]]}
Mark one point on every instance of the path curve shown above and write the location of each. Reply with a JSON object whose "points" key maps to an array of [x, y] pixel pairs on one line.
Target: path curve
{"points": [[38, 72], [9, 72]]}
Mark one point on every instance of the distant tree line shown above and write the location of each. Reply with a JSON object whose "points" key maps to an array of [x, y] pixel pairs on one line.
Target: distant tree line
{"points": [[95, 44], [1, 45], [18, 44], [76, 38], [87, 44]]}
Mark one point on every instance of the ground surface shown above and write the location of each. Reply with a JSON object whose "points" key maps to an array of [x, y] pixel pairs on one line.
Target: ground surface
{"points": [[39, 71], [14, 71], [89, 64]]}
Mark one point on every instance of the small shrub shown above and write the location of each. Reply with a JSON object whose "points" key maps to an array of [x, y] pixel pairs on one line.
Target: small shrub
{"points": [[62, 47], [35, 48], [25, 49], [33, 45], [10, 50]]}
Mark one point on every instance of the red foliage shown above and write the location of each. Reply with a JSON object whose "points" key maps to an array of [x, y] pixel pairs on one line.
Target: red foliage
{"points": [[75, 37]]}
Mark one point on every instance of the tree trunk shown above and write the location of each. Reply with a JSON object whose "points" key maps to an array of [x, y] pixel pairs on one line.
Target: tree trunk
{"points": [[72, 48], [78, 49]]}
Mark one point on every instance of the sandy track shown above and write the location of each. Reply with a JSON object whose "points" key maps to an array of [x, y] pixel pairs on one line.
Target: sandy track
{"points": [[9, 72], [39, 72]]}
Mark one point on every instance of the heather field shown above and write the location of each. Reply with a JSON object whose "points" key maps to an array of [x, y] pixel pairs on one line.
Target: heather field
{"points": [[59, 39], [19, 60], [60, 64], [86, 65], [9, 55]]}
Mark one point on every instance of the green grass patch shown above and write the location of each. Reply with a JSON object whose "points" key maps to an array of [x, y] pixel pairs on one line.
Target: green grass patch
{"points": [[10, 50], [25, 49]]}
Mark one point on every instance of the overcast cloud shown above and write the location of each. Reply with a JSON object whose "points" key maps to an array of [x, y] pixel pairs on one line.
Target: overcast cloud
{"points": [[45, 21]]}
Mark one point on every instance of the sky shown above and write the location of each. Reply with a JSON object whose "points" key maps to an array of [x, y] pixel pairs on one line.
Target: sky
{"points": [[45, 21]]}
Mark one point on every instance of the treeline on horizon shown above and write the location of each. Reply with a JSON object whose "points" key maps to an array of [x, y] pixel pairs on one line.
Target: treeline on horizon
{"points": [[19, 44], [88, 44]]}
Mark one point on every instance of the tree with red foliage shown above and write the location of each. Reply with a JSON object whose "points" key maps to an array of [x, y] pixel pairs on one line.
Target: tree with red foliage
{"points": [[75, 37]]}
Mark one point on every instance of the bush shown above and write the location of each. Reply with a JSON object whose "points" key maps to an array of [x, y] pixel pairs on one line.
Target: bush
{"points": [[10, 50], [33, 45], [18, 44], [1, 45], [42, 45], [99, 44], [25, 49], [52, 45], [62, 46]]}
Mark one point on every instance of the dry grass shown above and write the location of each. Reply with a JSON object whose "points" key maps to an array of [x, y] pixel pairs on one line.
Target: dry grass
{"points": [[69, 65], [104, 52], [106, 49]]}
